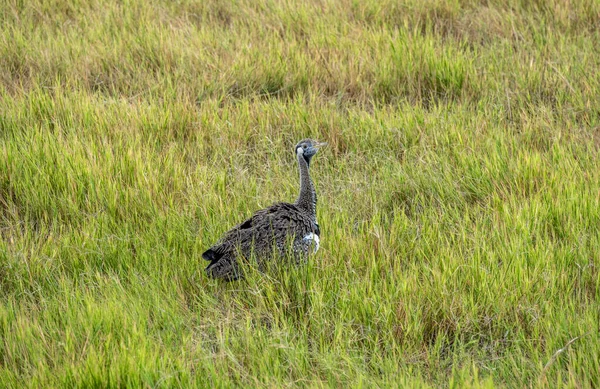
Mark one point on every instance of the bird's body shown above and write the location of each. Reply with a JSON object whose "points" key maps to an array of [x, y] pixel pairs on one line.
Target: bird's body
{"points": [[271, 231]]}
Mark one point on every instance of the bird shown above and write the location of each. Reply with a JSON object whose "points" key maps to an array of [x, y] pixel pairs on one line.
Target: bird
{"points": [[269, 231]]}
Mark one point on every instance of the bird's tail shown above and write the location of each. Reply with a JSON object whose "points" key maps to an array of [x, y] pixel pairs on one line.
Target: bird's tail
{"points": [[211, 255], [223, 268]]}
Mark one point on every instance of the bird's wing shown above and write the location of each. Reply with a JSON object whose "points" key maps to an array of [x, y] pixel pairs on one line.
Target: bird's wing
{"points": [[288, 220], [273, 223], [231, 238]]}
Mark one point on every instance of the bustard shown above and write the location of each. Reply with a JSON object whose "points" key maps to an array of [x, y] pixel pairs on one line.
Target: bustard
{"points": [[269, 231]]}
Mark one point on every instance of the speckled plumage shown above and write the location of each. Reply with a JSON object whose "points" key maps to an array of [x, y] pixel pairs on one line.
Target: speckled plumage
{"points": [[276, 227]]}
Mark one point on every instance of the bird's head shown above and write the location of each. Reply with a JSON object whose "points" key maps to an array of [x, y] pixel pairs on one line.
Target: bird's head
{"points": [[307, 148]]}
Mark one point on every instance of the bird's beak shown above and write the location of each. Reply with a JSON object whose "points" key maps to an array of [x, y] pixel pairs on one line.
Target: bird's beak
{"points": [[320, 144]]}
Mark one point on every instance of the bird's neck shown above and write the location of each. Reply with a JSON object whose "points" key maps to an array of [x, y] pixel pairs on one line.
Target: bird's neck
{"points": [[307, 199]]}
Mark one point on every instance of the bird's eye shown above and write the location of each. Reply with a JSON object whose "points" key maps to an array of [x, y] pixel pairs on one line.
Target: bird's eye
{"points": [[303, 146]]}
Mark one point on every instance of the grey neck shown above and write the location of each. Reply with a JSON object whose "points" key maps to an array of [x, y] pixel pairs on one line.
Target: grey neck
{"points": [[307, 199]]}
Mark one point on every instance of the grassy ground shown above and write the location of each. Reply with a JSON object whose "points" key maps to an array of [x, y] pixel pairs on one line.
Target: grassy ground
{"points": [[459, 195]]}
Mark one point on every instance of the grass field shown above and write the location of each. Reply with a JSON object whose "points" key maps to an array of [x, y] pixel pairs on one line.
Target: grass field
{"points": [[459, 196]]}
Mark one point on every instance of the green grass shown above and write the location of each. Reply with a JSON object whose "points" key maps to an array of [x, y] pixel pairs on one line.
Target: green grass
{"points": [[459, 194]]}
